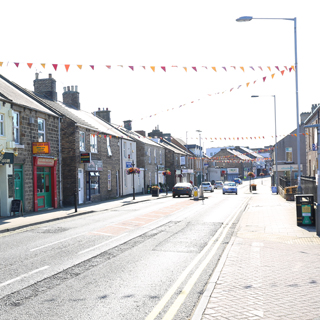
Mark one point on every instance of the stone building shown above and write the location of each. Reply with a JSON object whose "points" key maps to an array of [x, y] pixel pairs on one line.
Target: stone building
{"points": [[35, 173]]}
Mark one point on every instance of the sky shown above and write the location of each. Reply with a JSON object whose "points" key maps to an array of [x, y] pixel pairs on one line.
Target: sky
{"points": [[201, 34]]}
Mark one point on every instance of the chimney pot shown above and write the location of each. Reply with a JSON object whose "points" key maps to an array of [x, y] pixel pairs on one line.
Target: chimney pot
{"points": [[37, 75], [76, 88], [68, 88], [50, 75], [64, 89], [72, 88], [98, 109]]}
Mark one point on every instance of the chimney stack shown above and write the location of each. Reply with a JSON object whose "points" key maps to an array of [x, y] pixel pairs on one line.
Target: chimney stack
{"points": [[103, 114], [71, 98], [127, 124], [46, 87]]}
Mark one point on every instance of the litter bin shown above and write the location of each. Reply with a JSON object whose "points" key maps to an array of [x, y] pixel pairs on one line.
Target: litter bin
{"points": [[305, 209], [274, 189]]}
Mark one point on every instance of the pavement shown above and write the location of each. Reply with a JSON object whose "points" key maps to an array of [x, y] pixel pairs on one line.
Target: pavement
{"points": [[13, 223], [269, 270]]}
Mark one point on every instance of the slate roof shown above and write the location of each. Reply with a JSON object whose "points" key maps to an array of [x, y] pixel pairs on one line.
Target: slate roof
{"points": [[238, 154], [12, 92]]}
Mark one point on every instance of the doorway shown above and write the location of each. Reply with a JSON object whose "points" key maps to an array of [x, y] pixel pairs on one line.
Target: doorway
{"points": [[80, 186]]}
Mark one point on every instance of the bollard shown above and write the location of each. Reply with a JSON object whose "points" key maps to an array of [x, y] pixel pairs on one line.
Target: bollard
{"points": [[75, 203]]}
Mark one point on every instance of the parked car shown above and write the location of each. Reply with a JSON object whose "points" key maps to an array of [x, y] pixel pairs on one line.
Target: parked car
{"points": [[218, 185], [182, 188], [237, 181], [207, 186], [230, 187]]}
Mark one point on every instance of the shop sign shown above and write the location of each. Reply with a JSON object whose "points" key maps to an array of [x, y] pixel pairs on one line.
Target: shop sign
{"points": [[45, 162], [94, 165], [40, 147], [178, 171], [232, 170], [187, 170], [85, 157], [128, 164], [160, 168], [6, 158]]}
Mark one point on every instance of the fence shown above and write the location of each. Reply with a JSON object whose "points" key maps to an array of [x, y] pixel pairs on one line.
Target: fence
{"points": [[308, 185]]}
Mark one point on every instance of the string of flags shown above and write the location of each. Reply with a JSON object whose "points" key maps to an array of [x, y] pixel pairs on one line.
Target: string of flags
{"points": [[212, 94], [66, 67]]}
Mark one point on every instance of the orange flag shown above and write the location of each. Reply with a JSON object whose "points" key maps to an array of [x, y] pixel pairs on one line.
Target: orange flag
{"points": [[248, 84], [79, 66], [185, 68], [67, 67], [269, 69], [214, 68], [44, 65], [1, 64], [242, 68], [272, 76], [153, 68], [293, 68], [30, 65]]}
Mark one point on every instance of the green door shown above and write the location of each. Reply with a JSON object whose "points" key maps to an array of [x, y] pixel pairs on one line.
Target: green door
{"points": [[44, 188], [18, 185]]}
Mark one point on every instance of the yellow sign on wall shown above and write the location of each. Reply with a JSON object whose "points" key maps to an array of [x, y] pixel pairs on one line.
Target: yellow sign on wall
{"points": [[40, 147]]}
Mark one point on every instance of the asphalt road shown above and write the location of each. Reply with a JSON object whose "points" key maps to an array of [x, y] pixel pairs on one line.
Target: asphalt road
{"points": [[149, 260]]}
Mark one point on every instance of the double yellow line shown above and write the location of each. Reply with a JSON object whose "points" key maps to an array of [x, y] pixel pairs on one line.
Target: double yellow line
{"points": [[186, 290]]}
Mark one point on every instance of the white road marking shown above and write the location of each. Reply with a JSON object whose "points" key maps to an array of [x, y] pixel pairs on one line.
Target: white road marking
{"points": [[22, 276], [101, 244], [51, 244]]}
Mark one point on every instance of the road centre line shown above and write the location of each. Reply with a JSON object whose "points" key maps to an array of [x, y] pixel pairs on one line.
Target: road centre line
{"points": [[101, 244], [157, 309], [186, 290], [23, 276], [52, 243]]}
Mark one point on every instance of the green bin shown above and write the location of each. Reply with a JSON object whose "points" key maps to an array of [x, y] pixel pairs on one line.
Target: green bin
{"points": [[305, 210]]}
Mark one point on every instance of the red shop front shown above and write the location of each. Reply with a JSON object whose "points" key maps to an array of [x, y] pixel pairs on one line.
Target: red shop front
{"points": [[44, 183]]}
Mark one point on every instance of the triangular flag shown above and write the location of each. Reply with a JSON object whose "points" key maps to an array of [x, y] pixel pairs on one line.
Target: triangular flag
{"points": [[30, 65], [242, 68], [282, 72], [264, 79], [164, 69], [224, 68], [144, 67], [272, 76], [44, 65], [261, 68], [254, 81], [214, 68], [17, 64], [185, 68], [290, 69], [153, 69], [120, 65], [1, 64], [55, 66], [240, 86], [92, 67], [269, 69], [204, 67], [277, 68], [131, 67], [233, 67], [79, 66], [252, 68], [67, 67], [231, 89], [174, 66], [286, 68], [195, 69], [109, 67], [293, 68], [248, 84]]}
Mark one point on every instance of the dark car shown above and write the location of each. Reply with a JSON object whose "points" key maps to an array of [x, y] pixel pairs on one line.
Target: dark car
{"points": [[182, 188]]}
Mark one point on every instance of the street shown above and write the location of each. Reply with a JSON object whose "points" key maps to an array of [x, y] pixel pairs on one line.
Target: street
{"points": [[149, 260]]}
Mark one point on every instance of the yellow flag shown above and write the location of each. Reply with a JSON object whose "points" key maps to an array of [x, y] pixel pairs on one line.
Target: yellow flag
{"points": [[44, 65], [272, 75], [79, 66], [153, 68], [1, 64], [242, 68], [214, 68], [185, 68], [293, 68], [269, 69]]}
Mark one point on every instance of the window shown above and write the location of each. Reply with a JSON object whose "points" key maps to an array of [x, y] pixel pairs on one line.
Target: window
{"points": [[16, 129], [149, 154], [82, 139], [93, 143], [124, 149], [41, 130], [289, 154], [1, 125], [109, 149], [149, 178], [109, 179], [160, 156], [155, 178], [155, 155], [94, 182]]}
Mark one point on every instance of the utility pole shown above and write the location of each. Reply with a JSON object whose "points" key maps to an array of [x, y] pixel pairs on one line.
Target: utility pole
{"points": [[134, 195]]}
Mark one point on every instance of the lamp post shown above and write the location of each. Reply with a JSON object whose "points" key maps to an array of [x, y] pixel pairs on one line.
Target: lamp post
{"points": [[248, 18], [200, 155], [275, 135], [134, 193]]}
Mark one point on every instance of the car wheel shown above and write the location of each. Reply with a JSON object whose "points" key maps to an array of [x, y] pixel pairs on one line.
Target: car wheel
{"points": [[211, 190], [179, 196], [189, 195], [236, 193], [173, 196], [222, 192]]}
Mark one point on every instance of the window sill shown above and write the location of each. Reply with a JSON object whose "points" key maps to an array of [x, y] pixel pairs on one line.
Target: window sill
{"points": [[19, 146]]}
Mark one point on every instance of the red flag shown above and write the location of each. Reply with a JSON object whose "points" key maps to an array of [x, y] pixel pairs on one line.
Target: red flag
{"points": [[264, 79], [195, 69], [261, 68], [92, 67], [30, 65], [109, 67], [282, 72], [17, 64], [67, 67], [55, 66], [131, 67], [164, 69]]}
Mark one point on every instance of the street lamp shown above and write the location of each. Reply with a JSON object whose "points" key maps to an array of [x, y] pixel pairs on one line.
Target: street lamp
{"points": [[200, 155], [248, 18], [275, 134]]}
